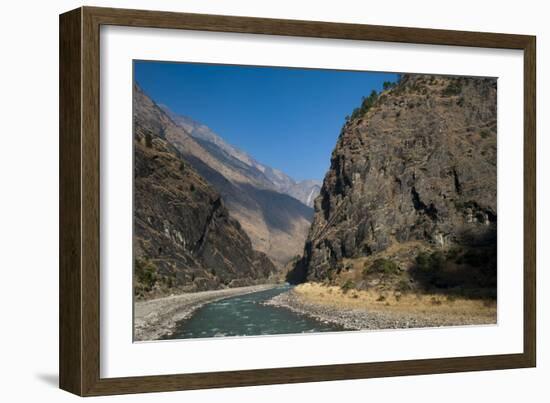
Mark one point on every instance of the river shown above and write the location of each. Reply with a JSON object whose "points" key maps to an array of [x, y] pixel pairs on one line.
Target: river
{"points": [[244, 315]]}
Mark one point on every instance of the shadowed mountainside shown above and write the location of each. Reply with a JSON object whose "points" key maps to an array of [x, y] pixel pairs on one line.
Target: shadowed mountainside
{"points": [[184, 237], [256, 195]]}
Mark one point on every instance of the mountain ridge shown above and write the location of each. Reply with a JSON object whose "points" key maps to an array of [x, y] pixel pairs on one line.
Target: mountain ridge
{"points": [[304, 190]]}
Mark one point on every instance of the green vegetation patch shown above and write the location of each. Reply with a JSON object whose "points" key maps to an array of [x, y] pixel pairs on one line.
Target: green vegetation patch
{"points": [[148, 140], [388, 85], [429, 262], [145, 275], [368, 102], [348, 285], [382, 266], [484, 134], [454, 88], [470, 272]]}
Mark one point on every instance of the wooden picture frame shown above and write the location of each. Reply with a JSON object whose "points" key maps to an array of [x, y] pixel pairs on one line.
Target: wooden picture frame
{"points": [[79, 346]]}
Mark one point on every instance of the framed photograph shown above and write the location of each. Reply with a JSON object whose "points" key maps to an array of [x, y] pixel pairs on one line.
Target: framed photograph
{"points": [[249, 201]]}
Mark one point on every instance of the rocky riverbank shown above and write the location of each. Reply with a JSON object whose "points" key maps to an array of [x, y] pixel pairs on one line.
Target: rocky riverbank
{"points": [[156, 318], [360, 311]]}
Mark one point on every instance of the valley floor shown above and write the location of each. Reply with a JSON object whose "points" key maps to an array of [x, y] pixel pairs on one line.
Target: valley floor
{"points": [[156, 318], [356, 310]]}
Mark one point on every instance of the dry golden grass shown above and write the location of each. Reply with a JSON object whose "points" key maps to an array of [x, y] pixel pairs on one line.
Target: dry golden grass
{"points": [[423, 305]]}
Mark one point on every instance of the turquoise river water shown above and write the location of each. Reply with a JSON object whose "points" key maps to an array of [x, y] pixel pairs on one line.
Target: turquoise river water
{"points": [[245, 316]]}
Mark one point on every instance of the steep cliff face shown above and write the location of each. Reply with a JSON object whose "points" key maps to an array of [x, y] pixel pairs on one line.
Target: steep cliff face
{"points": [[417, 167], [184, 237]]}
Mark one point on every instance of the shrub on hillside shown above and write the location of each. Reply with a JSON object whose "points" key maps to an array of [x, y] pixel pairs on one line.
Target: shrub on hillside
{"points": [[382, 266], [366, 104], [387, 85], [148, 140], [145, 274], [429, 262], [348, 285], [454, 88], [484, 134]]}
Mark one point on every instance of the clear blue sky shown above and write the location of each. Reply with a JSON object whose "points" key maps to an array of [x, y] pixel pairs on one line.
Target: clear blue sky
{"points": [[286, 118]]}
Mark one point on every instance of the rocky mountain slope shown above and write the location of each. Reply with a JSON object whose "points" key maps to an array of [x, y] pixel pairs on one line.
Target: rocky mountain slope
{"points": [[184, 236], [411, 187], [259, 174], [276, 222]]}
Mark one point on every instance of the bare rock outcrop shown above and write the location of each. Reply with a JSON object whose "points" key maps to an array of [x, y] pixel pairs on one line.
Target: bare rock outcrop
{"points": [[184, 237], [417, 165]]}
